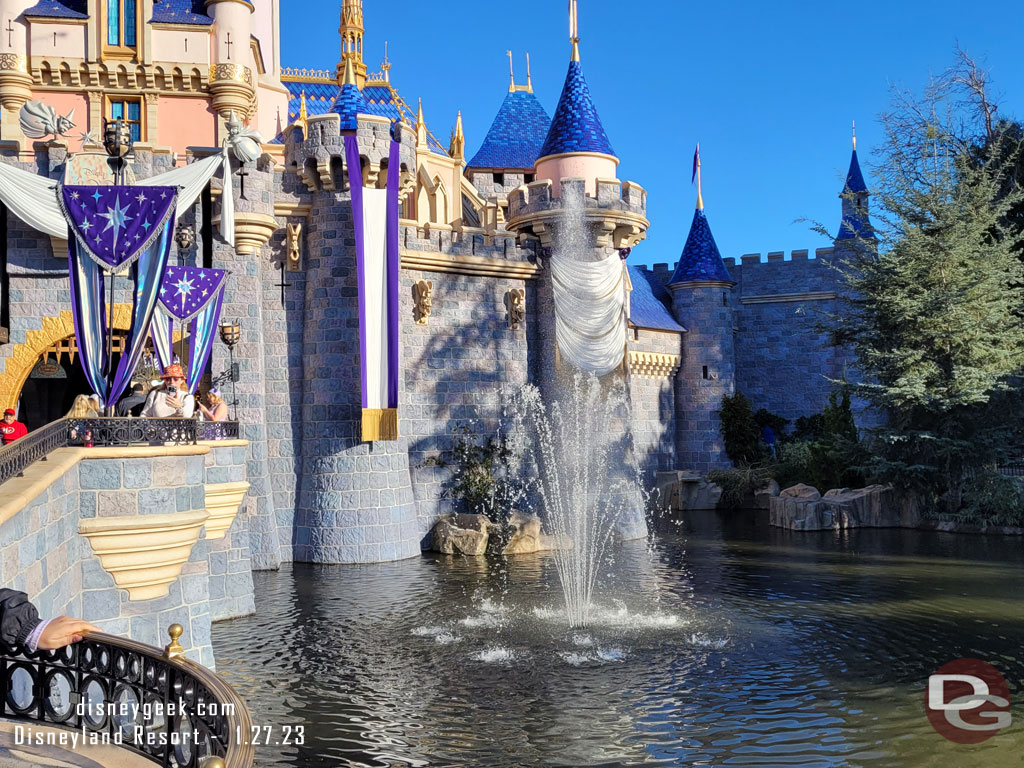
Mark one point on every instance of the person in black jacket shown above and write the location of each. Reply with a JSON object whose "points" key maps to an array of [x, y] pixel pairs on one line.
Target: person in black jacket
{"points": [[20, 625]]}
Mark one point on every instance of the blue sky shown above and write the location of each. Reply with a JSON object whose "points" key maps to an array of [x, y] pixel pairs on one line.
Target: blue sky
{"points": [[769, 89]]}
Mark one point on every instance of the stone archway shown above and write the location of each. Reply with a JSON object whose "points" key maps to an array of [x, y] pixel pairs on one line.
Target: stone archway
{"points": [[25, 356]]}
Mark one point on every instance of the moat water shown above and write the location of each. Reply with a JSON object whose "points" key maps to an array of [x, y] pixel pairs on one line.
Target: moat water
{"points": [[724, 642]]}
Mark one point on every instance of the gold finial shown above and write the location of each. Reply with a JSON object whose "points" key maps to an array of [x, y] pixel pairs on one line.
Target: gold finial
{"points": [[421, 126], [303, 111], [174, 649], [457, 147], [511, 73], [350, 73], [529, 75], [212, 762], [854, 135], [385, 67], [574, 29], [700, 191], [419, 115]]}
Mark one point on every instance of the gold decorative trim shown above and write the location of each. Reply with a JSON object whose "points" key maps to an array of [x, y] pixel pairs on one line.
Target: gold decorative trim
{"points": [[654, 365], [380, 424], [25, 356], [223, 502], [144, 553], [429, 261], [785, 298], [294, 75], [13, 62], [236, 72]]}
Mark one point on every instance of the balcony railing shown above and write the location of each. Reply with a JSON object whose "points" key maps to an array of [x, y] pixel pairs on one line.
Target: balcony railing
{"points": [[157, 704], [37, 445]]}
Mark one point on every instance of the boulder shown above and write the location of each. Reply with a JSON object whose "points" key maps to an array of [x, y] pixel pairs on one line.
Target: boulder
{"points": [[799, 514], [681, 490], [527, 537], [462, 535], [763, 497], [801, 491]]}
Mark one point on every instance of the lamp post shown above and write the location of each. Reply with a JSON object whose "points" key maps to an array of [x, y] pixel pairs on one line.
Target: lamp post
{"points": [[117, 141], [231, 334], [185, 237]]}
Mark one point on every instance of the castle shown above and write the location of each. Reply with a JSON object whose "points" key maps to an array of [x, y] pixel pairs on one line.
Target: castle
{"points": [[476, 233]]}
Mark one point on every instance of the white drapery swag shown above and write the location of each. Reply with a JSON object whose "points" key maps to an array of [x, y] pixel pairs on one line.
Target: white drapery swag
{"points": [[590, 312], [33, 200]]}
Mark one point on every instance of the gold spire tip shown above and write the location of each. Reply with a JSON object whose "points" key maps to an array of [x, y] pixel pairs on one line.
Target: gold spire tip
{"points": [[350, 73], [854, 135], [511, 73], [574, 29], [529, 75]]}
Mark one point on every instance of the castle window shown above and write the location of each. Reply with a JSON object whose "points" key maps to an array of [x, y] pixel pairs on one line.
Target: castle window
{"points": [[129, 110], [530, 178], [725, 299], [499, 179], [122, 26], [705, 371]]}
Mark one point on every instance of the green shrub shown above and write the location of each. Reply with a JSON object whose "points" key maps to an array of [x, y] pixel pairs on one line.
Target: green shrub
{"points": [[991, 499], [740, 432], [740, 483], [478, 481]]}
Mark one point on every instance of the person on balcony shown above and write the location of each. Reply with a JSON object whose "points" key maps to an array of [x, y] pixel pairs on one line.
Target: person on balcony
{"points": [[132, 403], [172, 400], [11, 429], [218, 410], [20, 625], [82, 408]]}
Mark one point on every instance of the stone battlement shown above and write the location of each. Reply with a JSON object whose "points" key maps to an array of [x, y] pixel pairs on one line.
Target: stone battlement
{"points": [[612, 195]]}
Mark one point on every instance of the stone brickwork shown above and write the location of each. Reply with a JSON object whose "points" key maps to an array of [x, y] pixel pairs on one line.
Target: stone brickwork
{"points": [[44, 555], [653, 404], [454, 369]]}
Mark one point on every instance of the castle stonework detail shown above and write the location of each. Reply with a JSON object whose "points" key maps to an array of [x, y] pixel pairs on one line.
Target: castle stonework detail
{"points": [[475, 234]]}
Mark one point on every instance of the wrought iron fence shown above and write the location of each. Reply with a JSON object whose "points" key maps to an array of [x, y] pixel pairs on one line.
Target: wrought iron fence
{"points": [[170, 710], [1013, 468], [37, 445], [20, 454]]}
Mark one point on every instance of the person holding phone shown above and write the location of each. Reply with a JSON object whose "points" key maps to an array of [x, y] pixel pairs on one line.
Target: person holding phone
{"points": [[172, 400]]}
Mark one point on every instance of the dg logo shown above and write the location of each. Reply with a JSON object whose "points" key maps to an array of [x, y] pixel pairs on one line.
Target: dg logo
{"points": [[968, 701]]}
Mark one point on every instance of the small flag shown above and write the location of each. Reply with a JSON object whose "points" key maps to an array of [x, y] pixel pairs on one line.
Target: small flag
{"points": [[696, 163]]}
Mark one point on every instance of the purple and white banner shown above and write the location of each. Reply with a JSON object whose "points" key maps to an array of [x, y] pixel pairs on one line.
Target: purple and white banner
{"points": [[375, 213], [189, 296]]}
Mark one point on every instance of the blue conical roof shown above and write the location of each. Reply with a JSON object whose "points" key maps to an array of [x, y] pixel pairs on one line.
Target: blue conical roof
{"points": [[516, 135], [350, 103], [576, 126], [854, 178], [701, 259], [855, 224]]}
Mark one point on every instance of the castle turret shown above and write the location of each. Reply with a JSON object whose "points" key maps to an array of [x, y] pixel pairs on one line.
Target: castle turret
{"points": [[351, 31], [507, 157], [576, 145], [15, 80], [702, 302], [232, 81], [349, 103], [856, 223]]}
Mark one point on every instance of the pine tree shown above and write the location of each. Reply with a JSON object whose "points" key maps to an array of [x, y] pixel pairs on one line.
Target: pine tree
{"points": [[934, 318]]}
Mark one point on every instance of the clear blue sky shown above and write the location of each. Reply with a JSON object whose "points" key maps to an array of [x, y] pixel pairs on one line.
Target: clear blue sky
{"points": [[769, 89]]}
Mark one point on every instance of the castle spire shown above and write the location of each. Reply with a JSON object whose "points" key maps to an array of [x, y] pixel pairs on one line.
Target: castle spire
{"points": [[696, 167], [856, 223], [421, 126], [574, 29], [351, 31], [457, 148]]}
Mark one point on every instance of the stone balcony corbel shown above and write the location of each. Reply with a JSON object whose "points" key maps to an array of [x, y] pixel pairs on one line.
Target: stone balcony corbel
{"points": [[223, 502], [252, 231], [144, 553]]}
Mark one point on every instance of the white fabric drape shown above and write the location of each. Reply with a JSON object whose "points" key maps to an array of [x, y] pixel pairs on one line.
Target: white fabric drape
{"points": [[33, 198], [375, 284], [590, 312]]}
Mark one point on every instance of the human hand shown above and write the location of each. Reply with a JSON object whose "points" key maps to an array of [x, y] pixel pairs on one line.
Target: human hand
{"points": [[64, 631], [173, 401]]}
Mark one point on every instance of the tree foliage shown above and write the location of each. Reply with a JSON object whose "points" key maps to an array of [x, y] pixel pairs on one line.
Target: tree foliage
{"points": [[740, 431], [933, 314]]}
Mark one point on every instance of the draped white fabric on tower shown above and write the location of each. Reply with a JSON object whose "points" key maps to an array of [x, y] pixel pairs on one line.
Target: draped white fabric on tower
{"points": [[33, 198], [590, 312]]}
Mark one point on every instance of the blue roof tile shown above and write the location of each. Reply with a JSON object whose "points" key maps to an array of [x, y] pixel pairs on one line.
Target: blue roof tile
{"points": [[854, 178], [701, 259], [60, 9], [349, 104], [650, 302], [516, 135], [855, 224], [576, 126], [181, 12]]}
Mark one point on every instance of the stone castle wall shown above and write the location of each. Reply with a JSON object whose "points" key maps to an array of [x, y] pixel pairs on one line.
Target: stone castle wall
{"points": [[653, 404]]}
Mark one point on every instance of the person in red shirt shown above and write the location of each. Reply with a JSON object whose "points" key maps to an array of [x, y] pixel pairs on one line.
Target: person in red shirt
{"points": [[10, 428]]}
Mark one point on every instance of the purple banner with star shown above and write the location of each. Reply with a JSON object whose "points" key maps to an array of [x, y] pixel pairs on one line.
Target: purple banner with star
{"points": [[114, 225], [186, 291], [191, 297]]}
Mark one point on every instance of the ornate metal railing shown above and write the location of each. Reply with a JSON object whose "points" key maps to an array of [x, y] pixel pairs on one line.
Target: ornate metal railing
{"points": [[37, 445], [20, 454], [160, 705], [1013, 468]]}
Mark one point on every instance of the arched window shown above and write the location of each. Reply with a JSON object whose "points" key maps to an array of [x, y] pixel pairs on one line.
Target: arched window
{"points": [[122, 23]]}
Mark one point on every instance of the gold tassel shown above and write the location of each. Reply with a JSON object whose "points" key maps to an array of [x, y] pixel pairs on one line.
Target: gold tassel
{"points": [[380, 424]]}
